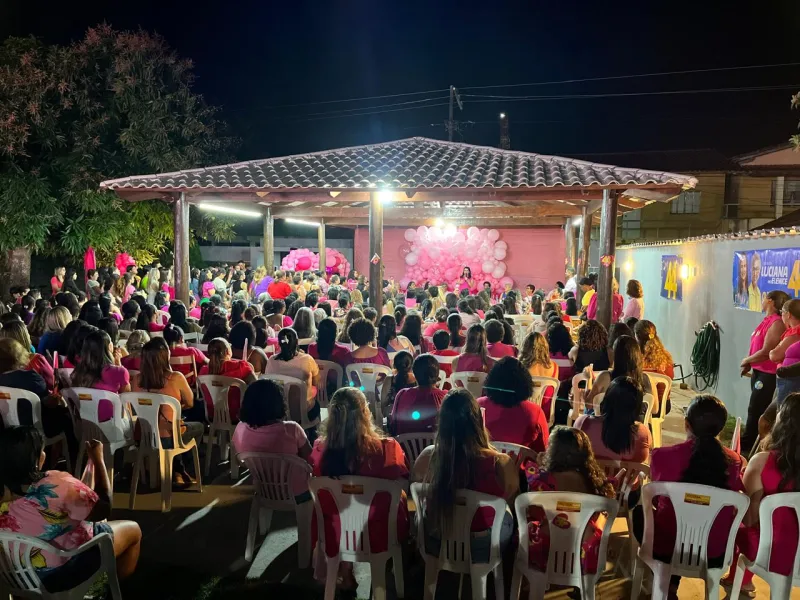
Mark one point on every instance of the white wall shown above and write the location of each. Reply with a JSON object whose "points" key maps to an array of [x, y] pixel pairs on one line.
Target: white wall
{"points": [[707, 296]]}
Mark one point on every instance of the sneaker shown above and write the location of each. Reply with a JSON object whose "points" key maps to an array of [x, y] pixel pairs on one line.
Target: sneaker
{"points": [[748, 590]]}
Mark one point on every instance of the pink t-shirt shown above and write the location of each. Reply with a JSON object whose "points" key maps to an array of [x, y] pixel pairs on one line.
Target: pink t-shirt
{"points": [[433, 328], [340, 354], [415, 409], [207, 289], [523, 424], [757, 343], [196, 313], [471, 362], [499, 350], [634, 308], [640, 445], [113, 379], [53, 509], [792, 355], [284, 437]]}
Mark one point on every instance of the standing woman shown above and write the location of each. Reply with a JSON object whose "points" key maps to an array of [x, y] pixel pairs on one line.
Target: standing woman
{"points": [[635, 306], [762, 381], [57, 281], [790, 313], [467, 282]]}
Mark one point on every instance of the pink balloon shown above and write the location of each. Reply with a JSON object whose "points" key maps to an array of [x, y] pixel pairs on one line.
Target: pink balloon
{"points": [[304, 263], [473, 233], [422, 232], [404, 283], [425, 261], [493, 235], [506, 280], [410, 235], [459, 237]]}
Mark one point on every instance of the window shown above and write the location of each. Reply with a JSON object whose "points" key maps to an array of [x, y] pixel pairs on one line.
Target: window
{"points": [[686, 203], [631, 225], [791, 190]]}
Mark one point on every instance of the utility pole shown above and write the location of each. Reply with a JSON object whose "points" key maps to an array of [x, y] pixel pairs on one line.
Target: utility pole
{"points": [[505, 139], [451, 124]]}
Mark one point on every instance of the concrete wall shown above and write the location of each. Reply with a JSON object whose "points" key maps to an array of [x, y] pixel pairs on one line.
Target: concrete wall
{"points": [[535, 255], [706, 296], [253, 254]]}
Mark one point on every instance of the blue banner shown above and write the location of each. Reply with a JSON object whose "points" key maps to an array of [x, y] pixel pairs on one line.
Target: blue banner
{"points": [[671, 280], [757, 272]]}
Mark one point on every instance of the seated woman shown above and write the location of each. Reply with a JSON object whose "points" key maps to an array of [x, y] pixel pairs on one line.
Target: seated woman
{"points": [[454, 327], [292, 362], [772, 471], [178, 317], [362, 334], [351, 445], [616, 331], [74, 336], [326, 347], [468, 316], [221, 362], [462, 458], [412, 331], [388, 338], [343, 304], [569, 466], [149, 319], [560, 343], [99, 367], [535, 356], [400, 312], [174, 338], [57, 319], [617, 433], [402, 377], [495, 331], [441, 344], [136, 342], [509, 415], [130, 315], [304, 324], [440, 324], [656, 359], [217, 328], [352, 315], [700, 459], [245, 332], [474, 357], [591, 347], [157, 376], [36, 362], [415, 408], [38, 497]]}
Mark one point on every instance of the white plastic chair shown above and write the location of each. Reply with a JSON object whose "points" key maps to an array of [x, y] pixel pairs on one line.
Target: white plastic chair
{"points": [[367, 376], [540, 386], [656, 422], [64, 376], [695, 506], [563, 363], [147, 406], [325, 368], [780, 586], [191, 337], [175, 361], [353, 497], [273, 475], [20, 577], [736, 439], [414, 443], [306, 341], [445, 360], [472, 381], [298, 403], [216, 390], [455, 553], [9, 416], [199, 346], [442, 380], [648, 414], [515, 451], [564, 558], [116, 433]]}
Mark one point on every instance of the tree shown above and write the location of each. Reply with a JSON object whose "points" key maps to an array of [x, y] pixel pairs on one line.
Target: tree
{"points": [[795, 139], [113, 104]]}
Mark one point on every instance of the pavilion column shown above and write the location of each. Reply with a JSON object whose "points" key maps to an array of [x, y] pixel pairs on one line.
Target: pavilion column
{"points": [[321, 244], [376, 247], [608, 242], [181, 275], [268, 244], [569, 257], [585, 237], [573, 245]]}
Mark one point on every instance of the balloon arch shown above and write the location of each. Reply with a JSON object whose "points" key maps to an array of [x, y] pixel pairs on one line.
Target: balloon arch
{"points": [[439, 255], [303, 259]]}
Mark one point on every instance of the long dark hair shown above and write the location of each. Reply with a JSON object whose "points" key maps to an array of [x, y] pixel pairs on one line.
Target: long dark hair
{"points": [[454, 327], [326, 338], [627, 359], [237, 310], [570, 450], [412, 329], [145, 317], [402, 363], [177, 314], [558, 338], [21, 449], [287, 338], [154, 371], [785, 442], [95, 356], [217, 327], [621, 407], [476, 343], [709, 463], [387, 330]]}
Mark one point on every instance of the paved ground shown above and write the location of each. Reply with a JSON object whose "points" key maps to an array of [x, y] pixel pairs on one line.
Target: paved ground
{"points": [[197, 550]]}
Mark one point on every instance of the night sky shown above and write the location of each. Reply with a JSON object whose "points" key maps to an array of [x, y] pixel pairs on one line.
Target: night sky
{"points": [[253, 56]]}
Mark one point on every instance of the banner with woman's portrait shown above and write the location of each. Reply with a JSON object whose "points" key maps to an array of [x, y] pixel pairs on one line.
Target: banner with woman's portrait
{"points": [[757, 272]]}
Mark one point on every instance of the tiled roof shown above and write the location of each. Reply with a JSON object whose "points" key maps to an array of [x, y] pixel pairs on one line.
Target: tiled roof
{"points": [[693, 160], [414, 163]]}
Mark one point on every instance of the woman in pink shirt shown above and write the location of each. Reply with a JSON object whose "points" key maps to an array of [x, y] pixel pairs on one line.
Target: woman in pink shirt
{"points": [[508, 414], [763, 379], [326, 347], [635, 306], [99, 366], [475, 357], [494, 337], [415, 408], [362, 334], [440, 315], [700, 459]]}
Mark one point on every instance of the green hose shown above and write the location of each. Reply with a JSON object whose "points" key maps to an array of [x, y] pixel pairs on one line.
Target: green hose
{"points": [[705, 356]]}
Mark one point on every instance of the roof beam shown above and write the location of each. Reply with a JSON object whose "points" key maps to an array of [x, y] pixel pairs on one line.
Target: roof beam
{"points": [[449, 212], [526, 222]]}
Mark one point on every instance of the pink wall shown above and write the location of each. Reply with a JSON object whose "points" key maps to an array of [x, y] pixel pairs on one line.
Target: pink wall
{"points": [[534, 255]]}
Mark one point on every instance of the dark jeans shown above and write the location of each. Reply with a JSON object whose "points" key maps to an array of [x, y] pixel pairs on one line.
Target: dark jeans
{"points": [[762, 388], [311, 434], [480, 543], [77, 569], [785, 386]]}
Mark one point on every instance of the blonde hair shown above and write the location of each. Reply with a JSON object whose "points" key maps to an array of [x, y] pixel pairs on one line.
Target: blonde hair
{"points": [[136, 341], [58, 318], [356, 297], [218, 349], [259, 274], [535, 351], [13, 355], [654, 355], [348, 433]]}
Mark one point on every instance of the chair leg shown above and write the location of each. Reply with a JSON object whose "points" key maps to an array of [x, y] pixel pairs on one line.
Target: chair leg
{"points": [[209, 447], [137, 467], [480, 581], [166, 481], [303, 517], [196, 457], [656, 425], [661, 576], [738, 577], [515, 593], [397, 566], [378, 572], [587, 591], [332, 572], [65, 451], [499, 584], [252, 526], [637, 576], [431, 576], [264, 520], [79, 462], [538, 585]]}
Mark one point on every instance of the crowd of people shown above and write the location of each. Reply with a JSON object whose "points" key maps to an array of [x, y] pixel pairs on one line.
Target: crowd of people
{"points": [[120, 332]]}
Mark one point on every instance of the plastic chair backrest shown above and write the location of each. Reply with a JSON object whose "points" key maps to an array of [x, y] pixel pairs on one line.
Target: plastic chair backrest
{"points": [[298, 411], [176, 361], [325, 368], [445, 360], [353, 497], [455, 553], [147, 405], [9, 407], [657, 379], [192, 337], [86, 402], [540, 385], [216, 392], [306, 341], [633, 472], [519, 453], [790, 500], [736, 439], [442, 379], [569, 514], [414, 443], [470, 380], [563, 363], [367, 375], [696, 508], [201, 347], [648, 408], [273, 476]]}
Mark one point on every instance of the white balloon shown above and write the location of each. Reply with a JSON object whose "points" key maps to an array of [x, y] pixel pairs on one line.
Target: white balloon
{"points": [[410, 235], [493, 235], [499, 271], [499, 253], [434, 252], [411, 259], [501, 244], [488, 267]]}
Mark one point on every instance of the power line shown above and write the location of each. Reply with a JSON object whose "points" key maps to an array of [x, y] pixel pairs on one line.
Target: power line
{"points": [[362, 99], [379, 106], [376, 112], [639, 75]]}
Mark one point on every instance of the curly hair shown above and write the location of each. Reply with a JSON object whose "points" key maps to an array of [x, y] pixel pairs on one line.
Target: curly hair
{"points": [[654, 356], [592, 336], [535, 351], [634, 289], [570, 450]]}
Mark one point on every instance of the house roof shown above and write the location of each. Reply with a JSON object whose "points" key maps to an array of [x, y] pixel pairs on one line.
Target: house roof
{"points": [[690, 160], [791, 219], [410, 164]]}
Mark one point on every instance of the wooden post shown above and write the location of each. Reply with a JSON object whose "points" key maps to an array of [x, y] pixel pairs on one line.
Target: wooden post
{"points": [[321, 244], [573, 243], [376, 247], [569, 257], [268, 244], [181, 275], [608, 241], [585, 236]]}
